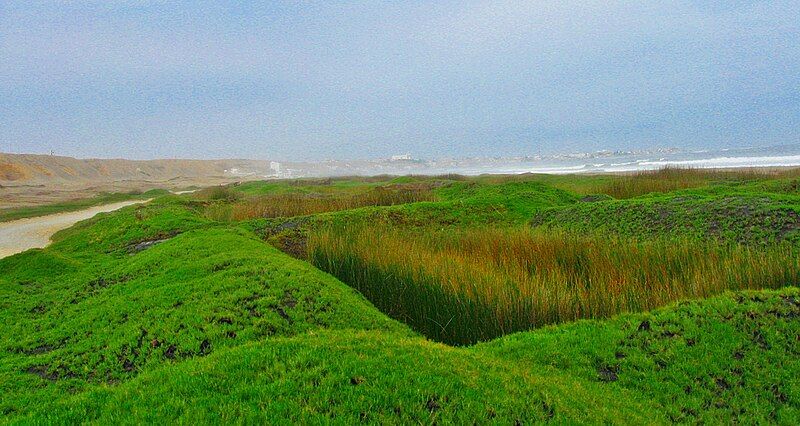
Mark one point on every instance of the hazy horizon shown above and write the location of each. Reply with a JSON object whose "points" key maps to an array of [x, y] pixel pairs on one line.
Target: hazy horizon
{"points": [[775, 151], [308, 82]]}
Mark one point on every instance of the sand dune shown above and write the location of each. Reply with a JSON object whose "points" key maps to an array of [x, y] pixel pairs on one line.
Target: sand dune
{"points": [[27, 179], [29, 169]]}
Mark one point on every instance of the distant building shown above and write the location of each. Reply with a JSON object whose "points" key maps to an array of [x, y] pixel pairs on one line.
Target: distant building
{"points": [[404, 157], [275, 167]]}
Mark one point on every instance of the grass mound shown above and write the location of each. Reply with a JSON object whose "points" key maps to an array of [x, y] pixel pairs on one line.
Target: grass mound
{"points": [[747, 218], [161, 312], [93, 309], [730, 358]]}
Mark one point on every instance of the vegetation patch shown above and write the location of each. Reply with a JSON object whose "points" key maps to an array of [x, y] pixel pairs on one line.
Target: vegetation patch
{"points": [[167, 312], [665, 180], [750, 218], [289, 204], [460, 287]]}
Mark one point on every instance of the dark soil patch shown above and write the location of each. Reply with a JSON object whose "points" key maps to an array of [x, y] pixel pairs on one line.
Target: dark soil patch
{"points": [[205, 347], [142, 245], [47, 373], [38, 309], [432, 404], [594, 198], [282, 313], [43, 348], [39, 350], [249, 304], [549, 412], [759, 339], [42, 371], [289, 300], [778, 394], [170, 352], [295, 245], [607, 373], [104, 282]]}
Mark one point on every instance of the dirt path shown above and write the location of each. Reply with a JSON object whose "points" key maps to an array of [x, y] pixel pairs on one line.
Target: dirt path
{"points": [[19, 235]]}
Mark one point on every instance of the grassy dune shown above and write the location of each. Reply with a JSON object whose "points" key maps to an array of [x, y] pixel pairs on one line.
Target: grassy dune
{"points": [[722, 360], [165, 313], [733, 215]]}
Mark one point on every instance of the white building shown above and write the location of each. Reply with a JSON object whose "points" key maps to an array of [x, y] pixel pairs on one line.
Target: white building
{"points": [[275, 167]]}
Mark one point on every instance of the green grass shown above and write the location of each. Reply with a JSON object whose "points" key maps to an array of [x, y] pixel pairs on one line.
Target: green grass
{"points": [[738, 231], [732, 214], [90, 311], [158, 313], [339, 358], [74, 205]]}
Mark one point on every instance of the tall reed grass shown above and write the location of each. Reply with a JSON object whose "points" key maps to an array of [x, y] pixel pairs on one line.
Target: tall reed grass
{"points": [[300, 204], [675, 178], [219, 193], [461, 287]]}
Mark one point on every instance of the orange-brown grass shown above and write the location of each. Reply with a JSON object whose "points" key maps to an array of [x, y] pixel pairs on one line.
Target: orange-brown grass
{"points": [[464, 286], [673, 178], [300, 204], [218, 193]]}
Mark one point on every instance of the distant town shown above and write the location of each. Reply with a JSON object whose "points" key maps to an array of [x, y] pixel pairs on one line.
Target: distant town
{"points": [[408, 164]]}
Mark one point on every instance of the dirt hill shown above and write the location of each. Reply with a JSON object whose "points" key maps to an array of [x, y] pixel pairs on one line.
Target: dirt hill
{"points": [[28, 179], [29, 169]]}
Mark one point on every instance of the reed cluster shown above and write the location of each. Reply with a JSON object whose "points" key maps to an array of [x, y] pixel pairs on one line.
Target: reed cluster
{"points": [[674, 178], [461, 287], [300, 204]]}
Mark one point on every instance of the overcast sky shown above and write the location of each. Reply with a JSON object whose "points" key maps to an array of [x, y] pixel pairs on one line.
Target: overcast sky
{"points": [[317, 80]]}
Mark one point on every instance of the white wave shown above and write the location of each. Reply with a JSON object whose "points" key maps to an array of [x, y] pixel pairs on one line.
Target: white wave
{"points": [[774, 161], [631, 166], [558, 169]]}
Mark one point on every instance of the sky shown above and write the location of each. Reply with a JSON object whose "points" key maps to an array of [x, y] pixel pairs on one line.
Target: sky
{"points": [[369, 79]]}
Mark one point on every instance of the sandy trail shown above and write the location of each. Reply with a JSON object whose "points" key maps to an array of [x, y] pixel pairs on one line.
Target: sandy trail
{"points": [[19, 235]]}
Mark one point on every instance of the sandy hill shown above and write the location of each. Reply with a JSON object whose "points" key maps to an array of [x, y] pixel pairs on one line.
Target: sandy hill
{"points": [[29, 169], [28, 179]]}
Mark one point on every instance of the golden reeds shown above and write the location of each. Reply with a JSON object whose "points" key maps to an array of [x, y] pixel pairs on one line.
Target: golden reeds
{"points": [[516, 279]]}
